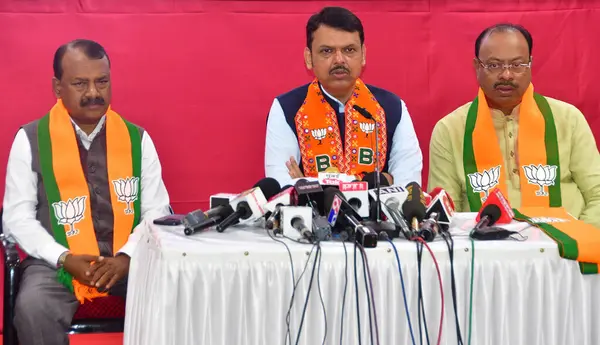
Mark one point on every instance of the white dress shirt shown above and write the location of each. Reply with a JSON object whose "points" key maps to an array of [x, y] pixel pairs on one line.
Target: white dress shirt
{"points": [[20, 197], [405, 161]]}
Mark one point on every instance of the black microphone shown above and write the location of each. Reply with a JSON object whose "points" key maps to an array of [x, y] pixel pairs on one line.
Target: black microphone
{"points": [[340, 210], [367, 115], [311, 194], [489, 216], [429, 228], [298, 224], [197, 221], [414, 205], [262, 190]]}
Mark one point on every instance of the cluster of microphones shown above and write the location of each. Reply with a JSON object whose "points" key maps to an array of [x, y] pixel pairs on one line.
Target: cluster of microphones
{"points": [[336, 206]]}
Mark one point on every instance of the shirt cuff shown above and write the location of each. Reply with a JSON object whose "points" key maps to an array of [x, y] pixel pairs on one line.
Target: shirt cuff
{"points": [[128, 249], [52, 251]]}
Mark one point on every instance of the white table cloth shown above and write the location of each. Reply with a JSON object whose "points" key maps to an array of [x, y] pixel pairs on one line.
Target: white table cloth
{"points": [[234, 288]]}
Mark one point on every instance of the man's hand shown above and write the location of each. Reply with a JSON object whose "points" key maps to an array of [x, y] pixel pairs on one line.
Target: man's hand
{"points": [[106, 272], [78, 265], [389, 178], [293, 168]]}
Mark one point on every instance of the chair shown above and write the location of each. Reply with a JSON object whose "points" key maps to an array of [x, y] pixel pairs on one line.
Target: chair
{"points": [[103, 315]]}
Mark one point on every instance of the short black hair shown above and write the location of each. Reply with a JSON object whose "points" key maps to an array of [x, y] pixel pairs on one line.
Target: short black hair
{"points": [[335, 17], [503, 27], [91, 49]]}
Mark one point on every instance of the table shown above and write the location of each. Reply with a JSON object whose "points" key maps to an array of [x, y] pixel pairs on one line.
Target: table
{"points": [[234, 288]]}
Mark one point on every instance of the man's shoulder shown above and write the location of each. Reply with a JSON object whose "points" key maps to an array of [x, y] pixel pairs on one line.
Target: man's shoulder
{"points": [[456, 116], [296, 93], [383, 95], [562, 109]]}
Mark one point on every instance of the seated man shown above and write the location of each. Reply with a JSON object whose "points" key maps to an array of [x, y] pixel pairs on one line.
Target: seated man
{"points": [[539, 151], [314, 127], [78, 182]]}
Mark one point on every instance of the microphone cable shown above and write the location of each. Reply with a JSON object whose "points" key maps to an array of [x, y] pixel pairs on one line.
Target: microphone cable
{"points": [[287, 317], [312, 276], [370, 301], [319, 290], [420, 306], [412, 336], [439, 274], [450, 244], [471, 288], [357, 299], [345, 289], [287, 321]]}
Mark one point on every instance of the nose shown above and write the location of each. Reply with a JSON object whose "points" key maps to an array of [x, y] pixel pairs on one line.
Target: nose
{"points": [[339, 57], [92, 91], [506, 74]]}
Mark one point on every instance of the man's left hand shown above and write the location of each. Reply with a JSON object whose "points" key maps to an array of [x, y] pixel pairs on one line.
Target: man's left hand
{"points": [[107, 271], [389, 178]]}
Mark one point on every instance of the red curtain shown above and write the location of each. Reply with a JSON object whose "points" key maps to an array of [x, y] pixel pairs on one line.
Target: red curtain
{"points": [[200, 76]]}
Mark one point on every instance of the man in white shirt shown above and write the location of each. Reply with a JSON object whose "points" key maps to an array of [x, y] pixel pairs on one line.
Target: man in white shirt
{"points": [[316, 128], [79, 180]]}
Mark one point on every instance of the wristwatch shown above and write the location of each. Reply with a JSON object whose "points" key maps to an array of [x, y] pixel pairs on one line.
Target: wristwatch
{"points": [[62, 258]]}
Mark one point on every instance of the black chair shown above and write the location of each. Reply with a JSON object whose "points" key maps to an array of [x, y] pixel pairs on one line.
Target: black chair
{"points": [[83, 325]]}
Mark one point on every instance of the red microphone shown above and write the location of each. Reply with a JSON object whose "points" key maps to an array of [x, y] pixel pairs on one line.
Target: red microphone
{"points": [[496, 197]]}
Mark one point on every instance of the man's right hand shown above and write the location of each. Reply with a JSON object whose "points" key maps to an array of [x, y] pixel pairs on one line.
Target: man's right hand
{"points": [[77, 265]]}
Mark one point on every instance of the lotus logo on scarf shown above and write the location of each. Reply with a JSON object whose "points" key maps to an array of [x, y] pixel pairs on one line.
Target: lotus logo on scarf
{"points": [[319, 134], [127, 191], [485, 181], [542, 175], [367, 127], [70, 213]]}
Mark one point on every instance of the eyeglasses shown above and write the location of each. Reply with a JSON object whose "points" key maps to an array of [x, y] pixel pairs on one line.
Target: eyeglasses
{"points": [[496, 67]]}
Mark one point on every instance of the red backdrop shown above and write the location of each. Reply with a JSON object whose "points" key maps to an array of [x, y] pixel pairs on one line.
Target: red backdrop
{"points": [[200, 76]]}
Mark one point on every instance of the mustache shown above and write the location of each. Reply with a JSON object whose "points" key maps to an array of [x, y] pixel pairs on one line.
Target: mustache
{"points": [[339, 68], [92, 101], [505, 83]]}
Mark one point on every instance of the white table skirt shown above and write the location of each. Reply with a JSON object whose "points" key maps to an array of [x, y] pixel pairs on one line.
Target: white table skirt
{"points": [[234, 288]]}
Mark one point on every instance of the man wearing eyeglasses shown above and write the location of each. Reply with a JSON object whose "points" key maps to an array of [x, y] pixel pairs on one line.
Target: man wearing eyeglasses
{"points": [[539, 151]]}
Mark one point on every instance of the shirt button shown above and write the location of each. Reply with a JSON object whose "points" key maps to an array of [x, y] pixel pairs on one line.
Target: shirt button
{"points": [[92, 168], [510, 134], [512, 153], [515, 171], [97, 190]]}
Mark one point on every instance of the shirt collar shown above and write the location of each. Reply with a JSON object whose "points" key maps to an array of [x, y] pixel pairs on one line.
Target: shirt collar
{"points": [[341, 106], [83, 135]]}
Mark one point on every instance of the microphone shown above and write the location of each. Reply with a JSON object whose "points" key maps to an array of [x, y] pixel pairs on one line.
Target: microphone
{"points": [[367, 115], [297, 219], [489, 216], [391, 210], [249, 204], [357, 194], [197, 220], [495, 197], [442, 205], [287, 197], [413, 207], [429, 228], [341, 210], [311, 194]]}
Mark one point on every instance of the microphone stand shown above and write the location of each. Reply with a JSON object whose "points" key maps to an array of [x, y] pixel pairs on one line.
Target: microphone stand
{"points": [[377, 225]]}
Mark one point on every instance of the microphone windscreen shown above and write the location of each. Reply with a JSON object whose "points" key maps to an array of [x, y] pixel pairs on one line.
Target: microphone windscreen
{"points": [[371, 177], [414, 205], [412, 209], [269, 187], [493, 212]]}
